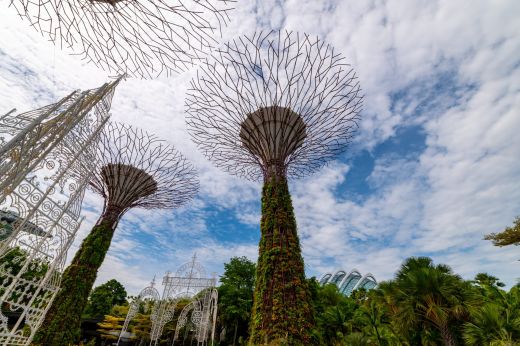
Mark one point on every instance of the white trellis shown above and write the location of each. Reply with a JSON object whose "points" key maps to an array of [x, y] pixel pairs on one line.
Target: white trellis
{"points": [[147, 295], [203, 317], [190, 282], [44, 170]]}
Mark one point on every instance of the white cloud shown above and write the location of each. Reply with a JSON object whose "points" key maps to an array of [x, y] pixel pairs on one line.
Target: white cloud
{"points": [[465, 183]]}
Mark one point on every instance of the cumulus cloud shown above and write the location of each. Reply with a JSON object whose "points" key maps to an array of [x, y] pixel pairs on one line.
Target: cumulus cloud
{"points": [[448, 68]]}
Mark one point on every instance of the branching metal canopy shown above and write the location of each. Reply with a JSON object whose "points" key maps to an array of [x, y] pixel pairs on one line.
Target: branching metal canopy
{"points": [[142, 38], [136, 169], [274, 102]]}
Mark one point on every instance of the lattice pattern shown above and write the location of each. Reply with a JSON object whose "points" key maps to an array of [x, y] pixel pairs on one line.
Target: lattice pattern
{"points": [[136, 169], [41, 201], [143, 38], [276, 98], [190, 284]]}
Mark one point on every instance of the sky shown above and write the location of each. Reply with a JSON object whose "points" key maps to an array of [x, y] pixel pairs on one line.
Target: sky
{"points": [[431, 170]]}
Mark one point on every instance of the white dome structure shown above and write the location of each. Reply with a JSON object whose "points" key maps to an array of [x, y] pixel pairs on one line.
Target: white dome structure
{"points": [[348, 282]]}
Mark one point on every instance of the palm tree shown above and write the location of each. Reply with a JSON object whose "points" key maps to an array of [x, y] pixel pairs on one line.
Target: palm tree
{"points": [[357, 339], [336, 323], [497, 322], [425, 296]]}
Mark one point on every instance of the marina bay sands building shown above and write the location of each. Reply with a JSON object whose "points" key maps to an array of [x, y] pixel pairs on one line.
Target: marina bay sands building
{"points": [[348, 282]]}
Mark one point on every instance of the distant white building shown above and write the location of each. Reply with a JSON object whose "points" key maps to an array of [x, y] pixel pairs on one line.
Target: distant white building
{"points": [[349, 282]]}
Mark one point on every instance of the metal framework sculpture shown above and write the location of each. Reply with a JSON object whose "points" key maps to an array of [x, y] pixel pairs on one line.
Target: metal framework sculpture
{"points": [[43, 162], [142, 38], [189, 282], [275, 98], [134, 170], [203, 317], [138, 170], [275, 105], [147, 295]]}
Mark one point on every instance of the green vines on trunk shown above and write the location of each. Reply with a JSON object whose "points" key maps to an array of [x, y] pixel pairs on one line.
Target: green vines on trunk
{"points": [[62, 323], [282, 311]]}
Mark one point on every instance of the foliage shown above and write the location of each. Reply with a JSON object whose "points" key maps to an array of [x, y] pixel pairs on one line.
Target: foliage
{"points": [[141, 327], [429, 297], [236, 297], [509, 236], [484, 280], [411, 309], [282, 309], [104, 297], [425, 304], [497, 322], [110, 327], [62, 322]]}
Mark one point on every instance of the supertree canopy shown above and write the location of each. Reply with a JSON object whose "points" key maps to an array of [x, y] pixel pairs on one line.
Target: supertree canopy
{"points": [[271, 106], [134, 169], [273, 98], [142, 38]]}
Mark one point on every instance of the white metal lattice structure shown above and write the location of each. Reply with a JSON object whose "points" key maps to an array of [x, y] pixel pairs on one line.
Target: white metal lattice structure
{"points": [[147, 295], [44, 173], [189, 282], [203, 317]]}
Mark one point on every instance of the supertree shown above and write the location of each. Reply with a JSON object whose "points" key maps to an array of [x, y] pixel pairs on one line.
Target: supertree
{"points": [[271, 106], [142, 38], [134, 170]]}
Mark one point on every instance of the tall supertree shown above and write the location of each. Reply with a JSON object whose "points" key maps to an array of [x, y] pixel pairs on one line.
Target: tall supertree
{"points": [[142, 38], [272, 106], [134, 170]]}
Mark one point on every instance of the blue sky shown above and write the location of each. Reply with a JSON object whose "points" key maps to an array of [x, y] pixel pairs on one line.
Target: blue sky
{"points": [[433, 167]]}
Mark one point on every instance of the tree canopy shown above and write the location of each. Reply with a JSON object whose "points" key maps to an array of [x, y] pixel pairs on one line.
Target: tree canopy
{"points": [[104, 297], [509, 236], [424, 304], [236, 297]]}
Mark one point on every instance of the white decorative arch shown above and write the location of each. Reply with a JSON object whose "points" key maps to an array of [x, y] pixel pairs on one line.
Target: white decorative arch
{"points": [[183, 318], [44, 169], [203, 316], [189, 282], [150, 293]]}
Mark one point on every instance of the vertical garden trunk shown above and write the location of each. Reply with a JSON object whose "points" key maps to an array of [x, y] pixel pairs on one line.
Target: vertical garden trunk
{"points": [[282, 311], [61, 326]]}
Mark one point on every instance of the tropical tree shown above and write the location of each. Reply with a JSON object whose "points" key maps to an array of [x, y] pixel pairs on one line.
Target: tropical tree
{"points": [[336, 322], [236, 296], [424, 296], [497, 322], [334, 313], [141, 327], [104, 297], [486, 280], [509, 236], [371, 318], [357, 339]]}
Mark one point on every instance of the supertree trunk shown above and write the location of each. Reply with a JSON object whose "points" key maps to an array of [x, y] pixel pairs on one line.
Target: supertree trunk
{"points": [[63, 320], [282, 310]]}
